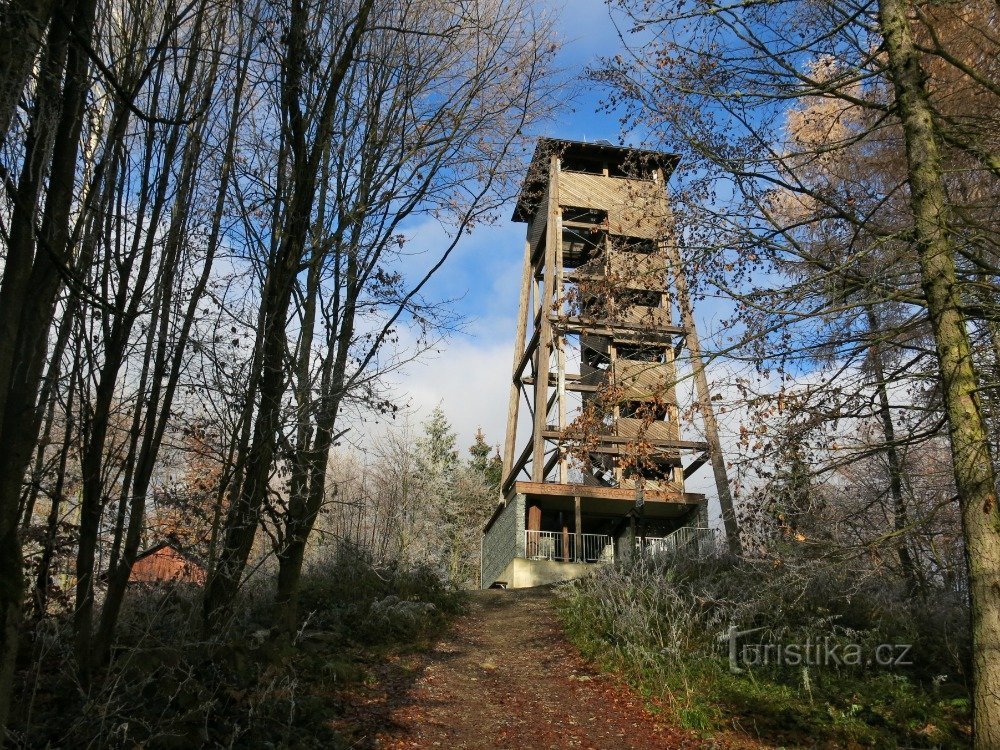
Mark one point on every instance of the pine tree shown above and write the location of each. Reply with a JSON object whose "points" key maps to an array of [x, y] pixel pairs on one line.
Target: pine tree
{"points": [[437, 455], [791, 492], [490, 467], [437, 461]]}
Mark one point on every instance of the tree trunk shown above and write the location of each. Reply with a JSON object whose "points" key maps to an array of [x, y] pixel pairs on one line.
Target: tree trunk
{"points": [[306, 149], [30, 284], [900, 517], [302, 514], [973, 466], [22, 25], [41, 595], [305, 503]]}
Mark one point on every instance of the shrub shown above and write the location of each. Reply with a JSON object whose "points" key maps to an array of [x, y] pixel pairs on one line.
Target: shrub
{"points": [[344, 591], [664, 621], [169, 685]]}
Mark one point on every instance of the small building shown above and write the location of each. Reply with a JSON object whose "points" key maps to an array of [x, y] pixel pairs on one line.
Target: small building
{"points": [[167, 563], [600, 330]]}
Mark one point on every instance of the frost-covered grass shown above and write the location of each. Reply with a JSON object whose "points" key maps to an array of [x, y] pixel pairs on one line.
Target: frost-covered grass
{"points": [[172, 685], [663, 623]]}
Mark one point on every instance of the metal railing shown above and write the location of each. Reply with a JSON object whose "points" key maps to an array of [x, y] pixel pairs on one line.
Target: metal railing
{"points": [[688, 539], [597, 548], [549, 545], [563, 546]]}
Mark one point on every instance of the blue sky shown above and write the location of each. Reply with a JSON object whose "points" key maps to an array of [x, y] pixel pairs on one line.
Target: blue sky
{"points": [[485, 268], [471, 376]]}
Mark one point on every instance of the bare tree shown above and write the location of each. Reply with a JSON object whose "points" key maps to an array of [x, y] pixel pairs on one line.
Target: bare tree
{"points": [[22, 30], [39, 251], [456, 91], [718, 83], [182, 268], [305, 105]]}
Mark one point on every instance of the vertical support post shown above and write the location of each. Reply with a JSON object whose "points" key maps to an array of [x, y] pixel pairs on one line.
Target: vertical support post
{"points": [[561, 399], [673, 413], [553, 238], [633, 539], [579, 529], [616, 413], [702, 394], [560, 342], [670, 364], [513, 403], [534, 524]]}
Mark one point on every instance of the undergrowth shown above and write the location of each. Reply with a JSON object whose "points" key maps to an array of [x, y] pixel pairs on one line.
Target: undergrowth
{"points": [[169, 685], [665, 624]]}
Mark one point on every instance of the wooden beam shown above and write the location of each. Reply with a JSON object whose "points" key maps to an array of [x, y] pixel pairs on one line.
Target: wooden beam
{"points": [[586, 491], [534, 523], [560, 344], [571, 385], [537, 252], [551, 402], [527, 400], [526, 355], [544, 349], [571, 377], [582, 225], [534, 518], [538, 267], [553, 458], [516, 468], [579, 528], [673, 413], [702, 393], [608, 328], [616, 440], [617, 450], [700, 461], [514, 401]]}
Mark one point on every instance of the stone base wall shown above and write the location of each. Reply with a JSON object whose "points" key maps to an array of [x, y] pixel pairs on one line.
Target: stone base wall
{"points": [[522, 574], [502, 542]]}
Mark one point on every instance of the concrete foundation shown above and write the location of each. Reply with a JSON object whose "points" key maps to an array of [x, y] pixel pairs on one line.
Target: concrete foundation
{"points": [[521, 573]]}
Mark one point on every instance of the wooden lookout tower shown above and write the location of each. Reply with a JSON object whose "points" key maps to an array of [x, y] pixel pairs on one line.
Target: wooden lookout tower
{"points": [[594, 463]]}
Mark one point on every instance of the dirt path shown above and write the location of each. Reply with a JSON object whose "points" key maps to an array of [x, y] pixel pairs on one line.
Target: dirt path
{"points": [[477, 689]]}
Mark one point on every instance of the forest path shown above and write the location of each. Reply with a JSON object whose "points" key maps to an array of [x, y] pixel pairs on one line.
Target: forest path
{"points": [[504, 676]]}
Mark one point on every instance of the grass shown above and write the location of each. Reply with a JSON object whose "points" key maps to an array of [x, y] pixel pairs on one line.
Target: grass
{"points": [[169, 686], [658, 625]]}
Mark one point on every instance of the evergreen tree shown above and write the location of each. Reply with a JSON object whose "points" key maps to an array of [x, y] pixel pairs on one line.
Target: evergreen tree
{"points": [[490, 467], [791, 490], [437, 462], [436, 453]]}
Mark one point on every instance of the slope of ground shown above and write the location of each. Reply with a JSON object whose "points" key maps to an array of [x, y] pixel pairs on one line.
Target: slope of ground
{"points": [[503, 676]]}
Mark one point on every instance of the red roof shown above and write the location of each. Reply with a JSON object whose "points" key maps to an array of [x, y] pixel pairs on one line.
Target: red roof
{"points": [[166, 563]]}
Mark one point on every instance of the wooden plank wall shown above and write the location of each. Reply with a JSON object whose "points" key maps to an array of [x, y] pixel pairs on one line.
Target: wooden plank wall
{"points": [[636, 208]]}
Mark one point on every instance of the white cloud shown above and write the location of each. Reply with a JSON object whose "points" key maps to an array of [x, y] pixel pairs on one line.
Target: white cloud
{"points": [[468, 379]]}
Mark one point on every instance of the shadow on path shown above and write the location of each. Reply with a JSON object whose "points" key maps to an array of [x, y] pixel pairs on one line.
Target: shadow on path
{"points": [[503, 676]]}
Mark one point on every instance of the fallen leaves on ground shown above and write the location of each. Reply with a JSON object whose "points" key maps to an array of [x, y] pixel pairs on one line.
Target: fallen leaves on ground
{"points": [[503, 676]]}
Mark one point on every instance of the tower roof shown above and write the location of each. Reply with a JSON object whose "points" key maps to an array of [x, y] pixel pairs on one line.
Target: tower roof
{"points": [[618, 158]]}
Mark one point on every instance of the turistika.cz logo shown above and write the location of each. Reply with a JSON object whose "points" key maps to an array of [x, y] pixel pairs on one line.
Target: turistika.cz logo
{"points": [[822, 652]]}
